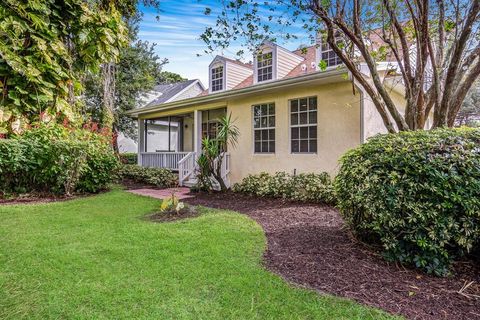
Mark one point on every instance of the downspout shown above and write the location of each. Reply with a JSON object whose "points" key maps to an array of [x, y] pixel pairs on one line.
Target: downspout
{"points": [[362, 115], [145, 135], [362, 107]]}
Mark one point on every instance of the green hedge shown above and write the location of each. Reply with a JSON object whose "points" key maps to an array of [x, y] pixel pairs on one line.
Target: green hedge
{"points": [[56, 159], [163, 178], [417, 194], [128, 158], [307, 187]]}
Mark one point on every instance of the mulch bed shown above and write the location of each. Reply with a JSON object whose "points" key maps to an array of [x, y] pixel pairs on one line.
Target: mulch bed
{"points": [[38, 198], [309, 246]]}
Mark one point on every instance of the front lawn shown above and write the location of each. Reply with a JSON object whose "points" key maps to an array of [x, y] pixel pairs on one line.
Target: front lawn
{"points": [[96, 258]]}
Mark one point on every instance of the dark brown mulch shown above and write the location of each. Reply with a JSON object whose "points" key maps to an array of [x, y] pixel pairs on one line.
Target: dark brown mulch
{"points": [[188, 212], [37, 198], [308, 245]]}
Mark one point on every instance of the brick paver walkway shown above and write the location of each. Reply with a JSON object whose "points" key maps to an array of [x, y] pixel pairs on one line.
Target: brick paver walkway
{"points": [[180, 193]]}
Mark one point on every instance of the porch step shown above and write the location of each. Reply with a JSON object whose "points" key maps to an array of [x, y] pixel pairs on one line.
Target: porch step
{"points": [[190, 183]]}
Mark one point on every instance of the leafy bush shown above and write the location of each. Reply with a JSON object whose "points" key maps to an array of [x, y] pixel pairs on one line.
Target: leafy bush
{"points": [[128, 158], [159, 177], [307, 187], [56, 159], [415, 193]]}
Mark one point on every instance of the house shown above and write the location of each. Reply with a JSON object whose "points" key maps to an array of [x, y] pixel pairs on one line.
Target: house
{"points": [[162, 93], [291, 115]]}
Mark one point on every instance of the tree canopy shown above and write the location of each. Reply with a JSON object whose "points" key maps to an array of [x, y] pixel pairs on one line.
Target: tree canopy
{"points": [[432, 47], [45, 47]]}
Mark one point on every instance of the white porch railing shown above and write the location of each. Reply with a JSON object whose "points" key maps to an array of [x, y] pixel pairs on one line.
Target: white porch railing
{"points": [[168, 160], [185, 163], [186, 167]]}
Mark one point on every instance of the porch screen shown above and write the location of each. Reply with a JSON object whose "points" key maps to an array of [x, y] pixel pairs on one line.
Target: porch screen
{"points": [[162, 135]]}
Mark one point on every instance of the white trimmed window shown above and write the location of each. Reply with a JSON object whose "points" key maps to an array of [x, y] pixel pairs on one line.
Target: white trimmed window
{"points": [[217, 78], [264, 128], [264, 66], [329, 56], [303, 125]]}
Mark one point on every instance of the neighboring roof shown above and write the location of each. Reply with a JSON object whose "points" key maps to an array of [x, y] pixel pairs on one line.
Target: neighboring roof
{"points": [[170, 90]]}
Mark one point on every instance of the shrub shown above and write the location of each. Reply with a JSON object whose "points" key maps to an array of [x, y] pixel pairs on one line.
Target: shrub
{"points": [[159, 177], [307, 187], [56, 159], [417, 194], [128, 158]]}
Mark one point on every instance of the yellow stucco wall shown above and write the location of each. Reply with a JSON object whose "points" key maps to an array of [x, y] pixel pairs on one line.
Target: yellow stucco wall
{"points": [[338, 130]]}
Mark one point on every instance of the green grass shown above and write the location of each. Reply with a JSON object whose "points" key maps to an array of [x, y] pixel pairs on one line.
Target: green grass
{"points": [[96, 258]]}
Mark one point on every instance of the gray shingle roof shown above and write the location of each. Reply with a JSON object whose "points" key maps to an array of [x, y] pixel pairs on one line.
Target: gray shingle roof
{"points": [[168, 91]]}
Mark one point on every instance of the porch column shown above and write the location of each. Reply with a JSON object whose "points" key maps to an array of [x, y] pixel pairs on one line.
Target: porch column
{"points": [[141, 140], [197, 131]]}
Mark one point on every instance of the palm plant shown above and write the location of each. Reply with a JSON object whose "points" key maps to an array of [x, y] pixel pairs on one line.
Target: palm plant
{"points": [[213, 154]]}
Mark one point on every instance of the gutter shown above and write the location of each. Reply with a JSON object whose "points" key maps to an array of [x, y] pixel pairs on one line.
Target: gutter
{"points": [[240, 92]]}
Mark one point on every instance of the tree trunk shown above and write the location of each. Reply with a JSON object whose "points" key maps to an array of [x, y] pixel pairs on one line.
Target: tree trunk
{"points": [[108, 78], [217, 174], [115, 141]]}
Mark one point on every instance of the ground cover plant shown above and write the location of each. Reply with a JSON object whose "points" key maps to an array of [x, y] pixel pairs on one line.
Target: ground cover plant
{"points": [[97, 258], [417, 194], [307, 187], [158, 177]]}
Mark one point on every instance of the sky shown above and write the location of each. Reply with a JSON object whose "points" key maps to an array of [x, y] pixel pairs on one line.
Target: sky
{"points": [[177, 34]]}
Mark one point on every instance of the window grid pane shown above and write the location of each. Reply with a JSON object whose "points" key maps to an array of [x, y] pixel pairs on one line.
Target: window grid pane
{"points": [[217, 78], [329, 56], [303, 124], [264, 128], [264, 67]]}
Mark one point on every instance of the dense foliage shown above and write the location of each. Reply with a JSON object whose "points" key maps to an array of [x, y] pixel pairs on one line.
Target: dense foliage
{"points": [[128, 158], [136, 73], [308, 187], [159, 177], [415, 193], [45, 47], [56, 159]]}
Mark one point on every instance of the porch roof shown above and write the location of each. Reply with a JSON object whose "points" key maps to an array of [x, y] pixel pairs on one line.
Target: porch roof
{"points": [[329, 76]]}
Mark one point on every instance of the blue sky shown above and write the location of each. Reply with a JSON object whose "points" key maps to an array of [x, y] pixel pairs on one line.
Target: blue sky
{"points": [[177, 36]]}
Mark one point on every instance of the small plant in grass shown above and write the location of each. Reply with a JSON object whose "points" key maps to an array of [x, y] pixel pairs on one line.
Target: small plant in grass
{"points": [[172, 206]]}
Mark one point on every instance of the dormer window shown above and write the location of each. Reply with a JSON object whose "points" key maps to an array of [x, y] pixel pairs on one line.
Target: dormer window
{"points": [[217, 78], [264, 66], [329, 56]]}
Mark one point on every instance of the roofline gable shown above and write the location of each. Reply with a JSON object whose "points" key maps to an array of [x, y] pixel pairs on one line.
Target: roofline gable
{"points": [[197, 81]]}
